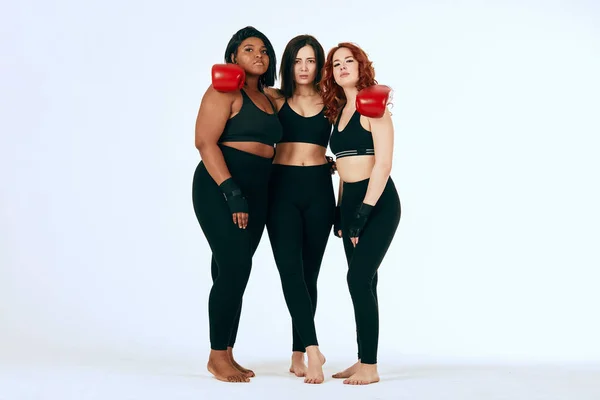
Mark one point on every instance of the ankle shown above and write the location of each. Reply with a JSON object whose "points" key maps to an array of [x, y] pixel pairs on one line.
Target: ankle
{"points": [[219, 354], [298, 355], [369, 367]]}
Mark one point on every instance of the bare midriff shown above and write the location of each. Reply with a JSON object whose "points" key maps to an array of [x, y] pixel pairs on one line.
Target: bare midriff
{"points": [[300, 154], [355, 168], [256, 148]]}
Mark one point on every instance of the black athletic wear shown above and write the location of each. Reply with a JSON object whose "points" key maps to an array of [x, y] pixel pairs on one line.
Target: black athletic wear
{"points": [[375, 227], [252, 124], [232, 248], [296, 128], [301, 210], [354, 140], [364, 259]]}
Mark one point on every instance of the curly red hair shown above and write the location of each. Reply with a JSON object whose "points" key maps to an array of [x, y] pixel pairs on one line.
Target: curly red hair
{"points": [[333, 95]]}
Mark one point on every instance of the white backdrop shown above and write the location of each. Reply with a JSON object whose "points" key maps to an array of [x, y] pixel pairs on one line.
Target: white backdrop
{"points": [[496, 111]]}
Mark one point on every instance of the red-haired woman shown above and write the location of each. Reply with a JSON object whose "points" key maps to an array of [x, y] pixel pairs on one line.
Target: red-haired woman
{"points": [[363, 143]]}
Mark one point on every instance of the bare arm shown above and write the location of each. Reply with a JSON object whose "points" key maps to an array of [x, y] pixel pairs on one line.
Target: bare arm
{"points": [[382, 130], [215, 110], [213, 114], [276, 97], [340, 192]]}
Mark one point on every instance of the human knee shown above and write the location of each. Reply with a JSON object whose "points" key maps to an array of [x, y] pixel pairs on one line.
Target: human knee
{"points": [[359, 281], [311, 277], [291, 279], [235, 276]]}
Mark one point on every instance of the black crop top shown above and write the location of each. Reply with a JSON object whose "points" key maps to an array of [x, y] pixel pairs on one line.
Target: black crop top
{"points": [[296, 128], [354, 140], [252, 124]]}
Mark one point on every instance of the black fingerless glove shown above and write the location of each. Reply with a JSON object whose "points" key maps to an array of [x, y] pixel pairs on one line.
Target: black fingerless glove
{"points": [[357, 223], [234, 196], [337, 221], [331, 163]]}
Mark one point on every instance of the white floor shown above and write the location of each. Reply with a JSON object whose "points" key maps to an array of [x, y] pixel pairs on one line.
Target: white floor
{"points": [[413, 379]]}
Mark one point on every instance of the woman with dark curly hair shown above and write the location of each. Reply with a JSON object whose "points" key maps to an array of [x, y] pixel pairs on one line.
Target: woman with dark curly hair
{"points": [[236, 130], [363, 143]]}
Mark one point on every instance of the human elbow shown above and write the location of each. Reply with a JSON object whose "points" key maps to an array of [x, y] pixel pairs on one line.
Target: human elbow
{"points": [[203, 145], [202, 142], [384, 167]]}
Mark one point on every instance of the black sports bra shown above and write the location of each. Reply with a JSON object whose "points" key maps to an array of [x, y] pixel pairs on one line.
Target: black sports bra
{"points": [[354, 140], [296, 128], [252, 124]]}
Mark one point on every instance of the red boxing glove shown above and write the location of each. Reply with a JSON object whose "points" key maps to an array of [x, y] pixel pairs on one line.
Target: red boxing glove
{"points": [[372, 101], [228, 77]]}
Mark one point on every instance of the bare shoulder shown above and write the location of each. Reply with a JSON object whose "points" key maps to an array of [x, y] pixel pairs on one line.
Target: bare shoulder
{"points": [[384, 122], [275, 96], [273, 93], [213, 95]]}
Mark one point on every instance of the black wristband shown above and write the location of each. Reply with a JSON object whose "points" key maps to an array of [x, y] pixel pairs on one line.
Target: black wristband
{"points": [[234, 196], [331, 163], [357, 224], [337, 221], [364, 209]]}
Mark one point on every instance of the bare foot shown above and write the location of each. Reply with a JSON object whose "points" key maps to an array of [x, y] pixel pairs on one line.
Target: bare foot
{"points": [[316, 359], [247, 372], [348, 372], [221, 367], [298, 367], [366, 374]]}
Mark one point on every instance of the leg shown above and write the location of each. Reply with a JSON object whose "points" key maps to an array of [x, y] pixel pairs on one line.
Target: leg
{"points": [[230, 270], [362, 282], [317, 223], [285, 234], [348, 372], [214, 269], [248, 373], [285, 228], [258, 203], [256, 231], [361, 279]]}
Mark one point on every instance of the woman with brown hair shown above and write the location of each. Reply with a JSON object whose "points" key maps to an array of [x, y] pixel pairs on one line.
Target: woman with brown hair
{"points": [[301, 196]]}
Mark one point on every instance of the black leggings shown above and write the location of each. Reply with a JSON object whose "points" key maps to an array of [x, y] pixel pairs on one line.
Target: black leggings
{"points": [[232, 247], [301, 210], [365, 258]]}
